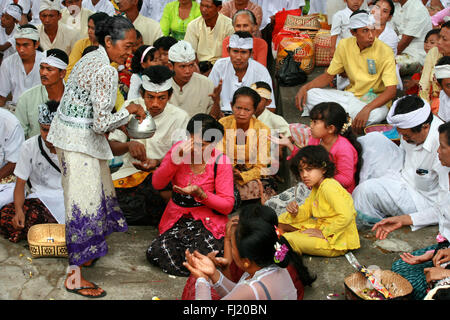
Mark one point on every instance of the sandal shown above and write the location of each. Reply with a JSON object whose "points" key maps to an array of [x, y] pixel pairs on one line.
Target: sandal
{"points": [[77, 291], [94, 261]]}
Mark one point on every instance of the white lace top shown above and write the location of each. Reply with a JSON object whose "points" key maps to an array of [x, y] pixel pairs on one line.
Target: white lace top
{"points": [[84, 113], [274, 279]]}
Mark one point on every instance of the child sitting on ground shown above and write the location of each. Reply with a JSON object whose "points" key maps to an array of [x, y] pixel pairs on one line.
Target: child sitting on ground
{"points": [[325, 224]]}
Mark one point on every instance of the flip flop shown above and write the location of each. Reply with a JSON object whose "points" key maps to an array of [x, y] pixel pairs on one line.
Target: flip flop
{"points": [[77, 291]]}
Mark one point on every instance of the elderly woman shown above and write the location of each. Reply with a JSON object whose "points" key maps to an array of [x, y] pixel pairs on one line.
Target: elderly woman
{"points": [[78, 133], [196, 216], [231, 7], [245, 20], [246, 143], [176, 17]]}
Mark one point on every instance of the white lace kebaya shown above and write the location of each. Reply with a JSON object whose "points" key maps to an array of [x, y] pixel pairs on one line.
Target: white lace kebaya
{"points": [[85, 111]]}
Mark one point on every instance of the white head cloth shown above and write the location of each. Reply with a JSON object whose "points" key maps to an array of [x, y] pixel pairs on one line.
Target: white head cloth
{"points": [[442, 72], [26, 33], [361, 20], [54, 61], [50, 5], [153, 87], [237, 42], [181, 51], [408, 120], [14, 11], [263, 92]]}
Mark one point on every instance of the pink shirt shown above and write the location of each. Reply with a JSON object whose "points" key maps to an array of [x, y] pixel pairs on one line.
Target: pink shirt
{"points": [[220, 192], [345, 158]]}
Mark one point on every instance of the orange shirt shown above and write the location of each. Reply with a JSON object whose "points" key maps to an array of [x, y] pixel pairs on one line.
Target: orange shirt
{"points": [[259, 52]]}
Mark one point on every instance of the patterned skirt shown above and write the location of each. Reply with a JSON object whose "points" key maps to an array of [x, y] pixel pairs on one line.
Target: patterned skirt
{"points": [[92, 209], [167, 251], [35, 213]]}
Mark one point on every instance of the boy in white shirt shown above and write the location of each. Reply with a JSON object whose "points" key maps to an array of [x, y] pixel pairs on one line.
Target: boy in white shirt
{"points": [[10, 17], [442, 73]]}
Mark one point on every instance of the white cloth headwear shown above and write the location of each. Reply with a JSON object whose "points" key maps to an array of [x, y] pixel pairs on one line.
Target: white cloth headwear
{"points": [[263, 92], [361, 20], [153, 87], [26, 33], [240, 43], [181, 51], [14, 11], [54, 61], [50, 5], [408, 120], [442, 72]]}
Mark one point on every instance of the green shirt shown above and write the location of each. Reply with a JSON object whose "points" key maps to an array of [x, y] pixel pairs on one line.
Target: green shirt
{"points": [[27, 109], [172, 24]]}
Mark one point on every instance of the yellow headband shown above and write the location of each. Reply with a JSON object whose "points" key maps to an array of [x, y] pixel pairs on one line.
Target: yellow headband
{"points": [[263, 92]]}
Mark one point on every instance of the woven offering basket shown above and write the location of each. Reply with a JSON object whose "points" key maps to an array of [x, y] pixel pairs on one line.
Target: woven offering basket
{"points": [[47, 240], [398, 286], [382, 128]]}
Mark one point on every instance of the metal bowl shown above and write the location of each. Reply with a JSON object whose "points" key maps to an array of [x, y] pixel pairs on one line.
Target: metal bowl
{"points": [[144, 130]]}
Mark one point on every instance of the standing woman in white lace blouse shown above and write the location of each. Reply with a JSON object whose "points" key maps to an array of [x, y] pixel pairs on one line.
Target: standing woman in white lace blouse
{"points": [[78, 132]]}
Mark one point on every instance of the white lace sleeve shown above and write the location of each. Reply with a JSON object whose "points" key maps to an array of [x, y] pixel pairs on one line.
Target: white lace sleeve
{"points": [[103, 94], [202, 289]]}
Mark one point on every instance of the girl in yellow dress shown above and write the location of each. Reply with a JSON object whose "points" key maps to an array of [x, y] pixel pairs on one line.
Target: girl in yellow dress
{"points": [[325, 224]]}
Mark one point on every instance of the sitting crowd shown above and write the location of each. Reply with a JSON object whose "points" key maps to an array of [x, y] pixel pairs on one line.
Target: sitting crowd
{"points": [[74, 74]]}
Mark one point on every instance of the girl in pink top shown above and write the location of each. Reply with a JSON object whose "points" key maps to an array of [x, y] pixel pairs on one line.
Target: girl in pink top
{"points": [[331, 128], [202, 197]]}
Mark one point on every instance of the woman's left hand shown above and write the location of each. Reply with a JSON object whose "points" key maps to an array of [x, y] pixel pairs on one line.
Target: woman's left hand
{"points": [[237, 174], [192, 190], [199, 265], [436, 274], [314, 233]]}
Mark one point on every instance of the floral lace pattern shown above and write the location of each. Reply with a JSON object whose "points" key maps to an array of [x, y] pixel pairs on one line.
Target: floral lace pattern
{"points": [[84, 113]]}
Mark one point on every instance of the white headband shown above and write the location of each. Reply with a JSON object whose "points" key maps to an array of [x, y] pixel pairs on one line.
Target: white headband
{"points": [[240, 43], [14, 11], [361, 20], [181, 51], [442, 72], [54, 62], [408, 120], [145, 53], [26, 33], [50, 5], [153, 87]]}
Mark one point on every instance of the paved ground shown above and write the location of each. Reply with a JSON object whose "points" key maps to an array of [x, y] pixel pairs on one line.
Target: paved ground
{"points": [[126, 275]]}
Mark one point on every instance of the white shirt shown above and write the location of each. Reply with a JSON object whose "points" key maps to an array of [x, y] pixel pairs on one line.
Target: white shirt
{"points": [[167, 124], [65, 38], [13, 77], [35, 8], [413, 19], [149, 28], [11, 137], [223, 69], [153, 8], [275, 122], [7, 38], [102, 6], [270, 7], [444, 106], [340, 25], [389, 37], [424, 156]]}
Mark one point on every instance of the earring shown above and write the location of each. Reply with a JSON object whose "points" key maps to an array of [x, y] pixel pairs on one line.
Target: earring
{"points": [[246, 265]]}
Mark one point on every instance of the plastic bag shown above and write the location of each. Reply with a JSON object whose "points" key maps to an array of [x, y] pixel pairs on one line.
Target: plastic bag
{"points": [[369, 96], [290, 74]]}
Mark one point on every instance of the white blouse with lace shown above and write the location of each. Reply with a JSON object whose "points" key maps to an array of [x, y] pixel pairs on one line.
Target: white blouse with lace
{"points": [[274, 279], [84, 113]]}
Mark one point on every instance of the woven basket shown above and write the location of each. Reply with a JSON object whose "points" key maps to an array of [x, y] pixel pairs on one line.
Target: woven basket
{"points": [[310, 22], [398, 286], [322, 47], [47, 240]]}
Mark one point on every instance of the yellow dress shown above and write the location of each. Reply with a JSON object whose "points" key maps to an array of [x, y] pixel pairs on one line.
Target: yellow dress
{"points": [[330, 209]]}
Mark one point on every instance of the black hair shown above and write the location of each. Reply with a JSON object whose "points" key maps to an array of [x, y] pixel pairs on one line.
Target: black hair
{"points": [[445, 128], [409, 104], [316, 157], [165, 42], [138, 34], [263, 84], [248, 13], [59, 54], [391, 4], [209, 126], [158, 75], [256, 237], [441, 62], [97, 17], [431, 32], [139, 4], [89, 49], [205, 66], [115, 27], [52, 105], [136, 66], [446, 25], [332, 113], [249, 92]]}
